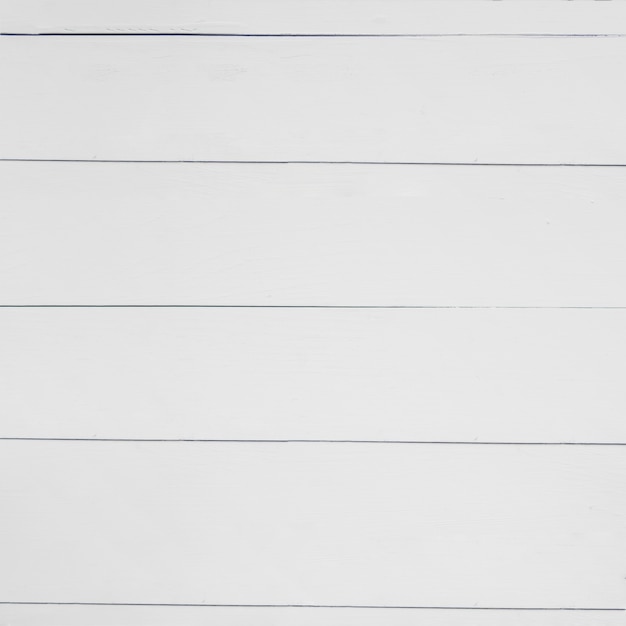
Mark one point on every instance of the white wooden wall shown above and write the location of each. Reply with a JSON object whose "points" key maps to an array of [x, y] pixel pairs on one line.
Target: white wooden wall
{"points": [[312, 312]]}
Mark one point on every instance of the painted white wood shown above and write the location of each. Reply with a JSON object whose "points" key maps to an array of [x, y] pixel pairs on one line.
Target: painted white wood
{"points": [[313, 16], [313, 524], [406, 374], [103, 233], [428, 525], [190, 616], [532, 100]]}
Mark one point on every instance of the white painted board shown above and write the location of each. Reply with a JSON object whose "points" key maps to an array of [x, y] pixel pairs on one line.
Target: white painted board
{"points": [[401, 374], [477, 99], [223, 234], [314, 16], [201, 616], [511, 534], [313, 524]]}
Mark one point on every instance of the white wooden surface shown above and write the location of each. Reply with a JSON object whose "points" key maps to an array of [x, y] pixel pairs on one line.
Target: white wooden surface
{"points": [[313, 524], [106, 233], [436, 17], [482, 99], [488, 529], [193, 616], [427, 375]]}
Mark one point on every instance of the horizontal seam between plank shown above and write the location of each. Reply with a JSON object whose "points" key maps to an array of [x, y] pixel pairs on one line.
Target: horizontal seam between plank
{"points": [[311, 306], [318, 606], [312, 35], [244, 162], [322, 441]]}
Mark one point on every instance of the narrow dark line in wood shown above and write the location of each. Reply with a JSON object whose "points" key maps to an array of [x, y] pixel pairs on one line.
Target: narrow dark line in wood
{"points": [[309, 35], [308, 306], [232, 162], [320, 606], [324, 441]]}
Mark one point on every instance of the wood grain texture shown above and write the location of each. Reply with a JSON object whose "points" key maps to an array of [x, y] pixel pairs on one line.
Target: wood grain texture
{"points": [[312, 16], [191, 616], [428, 375], [311, 235], [313, 524], [502, 100], [531, 531]]}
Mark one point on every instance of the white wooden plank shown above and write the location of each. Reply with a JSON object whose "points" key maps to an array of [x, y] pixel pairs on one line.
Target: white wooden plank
{"points": [[103, 233], [193, 616], [313, 524], [402, 374], [313, 16], [536, 100]]}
